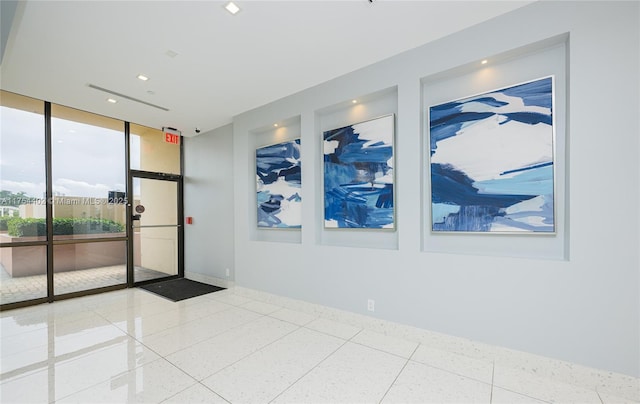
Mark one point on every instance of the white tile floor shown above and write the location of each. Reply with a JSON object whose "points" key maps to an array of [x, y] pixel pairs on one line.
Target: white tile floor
{"points": [[132, 346]]}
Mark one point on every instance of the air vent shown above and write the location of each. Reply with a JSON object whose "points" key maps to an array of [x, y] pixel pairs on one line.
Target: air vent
{"points": [[126, 97]]}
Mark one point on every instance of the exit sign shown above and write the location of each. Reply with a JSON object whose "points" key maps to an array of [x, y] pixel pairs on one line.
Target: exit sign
{"points": [[171, 138]]}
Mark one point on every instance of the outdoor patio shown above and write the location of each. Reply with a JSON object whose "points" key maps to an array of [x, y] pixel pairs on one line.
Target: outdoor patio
{"points": [[18, 289]]}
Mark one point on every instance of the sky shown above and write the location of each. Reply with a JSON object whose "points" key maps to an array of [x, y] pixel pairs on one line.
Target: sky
{"points": [[87, 161]]}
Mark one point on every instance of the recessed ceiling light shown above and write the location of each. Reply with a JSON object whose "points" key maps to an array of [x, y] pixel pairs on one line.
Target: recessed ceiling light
{"points": [[484, 62], [143, 77], [232, 7], [354, 101], [111, 100], [275, 125]]}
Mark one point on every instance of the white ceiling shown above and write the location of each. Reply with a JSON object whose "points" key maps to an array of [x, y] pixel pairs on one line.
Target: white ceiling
{"points": [[225, 64]]}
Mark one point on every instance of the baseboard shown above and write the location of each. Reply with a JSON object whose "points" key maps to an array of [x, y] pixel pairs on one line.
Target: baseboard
{"points": [[602, 381], [211, 280]]}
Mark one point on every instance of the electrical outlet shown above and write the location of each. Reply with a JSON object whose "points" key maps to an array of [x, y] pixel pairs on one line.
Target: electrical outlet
{"points": [[226, 271], [371, 305]]}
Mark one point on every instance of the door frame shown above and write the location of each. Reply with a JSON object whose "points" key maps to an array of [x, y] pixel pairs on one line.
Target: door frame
{"points": [[177, 178]]}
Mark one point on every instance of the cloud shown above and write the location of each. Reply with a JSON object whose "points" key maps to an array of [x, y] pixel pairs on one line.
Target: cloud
{"points": [[29, 188], [71, 187]]}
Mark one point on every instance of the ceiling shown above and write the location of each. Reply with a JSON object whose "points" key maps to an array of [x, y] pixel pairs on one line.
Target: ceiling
{"points": [[204, 64]]}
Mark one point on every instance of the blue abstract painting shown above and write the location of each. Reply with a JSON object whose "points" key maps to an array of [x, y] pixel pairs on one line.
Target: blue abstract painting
{"points": [[278, 179], [491, 161], [358, 175]]}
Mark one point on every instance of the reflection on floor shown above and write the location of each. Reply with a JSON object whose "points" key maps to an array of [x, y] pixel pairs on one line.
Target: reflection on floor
{"points": [[130, 346], [32, 287]]}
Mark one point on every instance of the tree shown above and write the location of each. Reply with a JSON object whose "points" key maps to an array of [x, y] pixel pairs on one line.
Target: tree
{"points": [[8, 198]]}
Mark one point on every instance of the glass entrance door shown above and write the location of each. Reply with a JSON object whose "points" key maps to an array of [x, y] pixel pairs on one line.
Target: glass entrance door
{"points": [[156, 227]]}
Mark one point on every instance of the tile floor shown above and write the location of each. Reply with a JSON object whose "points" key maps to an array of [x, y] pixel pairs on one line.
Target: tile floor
{"points": [[133, 346]]}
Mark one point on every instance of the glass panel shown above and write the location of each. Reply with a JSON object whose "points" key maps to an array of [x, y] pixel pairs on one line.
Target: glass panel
{"points": [[84, 266], [155, 252], [155, 242], [23, 273], [152, 151], [155, 201], [88, 175], [22, 164]]}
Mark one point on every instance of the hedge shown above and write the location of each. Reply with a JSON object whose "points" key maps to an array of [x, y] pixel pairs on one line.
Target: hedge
{"points": [[4, 222], [19, 227]]}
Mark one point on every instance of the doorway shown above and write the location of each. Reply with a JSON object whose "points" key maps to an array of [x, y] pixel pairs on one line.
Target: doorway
{"points": [[156, 227]]}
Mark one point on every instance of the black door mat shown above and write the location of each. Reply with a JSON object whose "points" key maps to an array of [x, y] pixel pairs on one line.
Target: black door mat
{"points": [[180, 289]]}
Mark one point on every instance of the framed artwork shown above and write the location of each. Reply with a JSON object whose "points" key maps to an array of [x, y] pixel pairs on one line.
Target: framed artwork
{"points": [[278, 180], [359, 176], [492, 161]]}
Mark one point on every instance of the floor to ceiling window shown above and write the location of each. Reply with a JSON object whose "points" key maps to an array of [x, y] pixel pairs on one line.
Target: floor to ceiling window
{"points": [[67, 224], [23, 255], [89, 210]]}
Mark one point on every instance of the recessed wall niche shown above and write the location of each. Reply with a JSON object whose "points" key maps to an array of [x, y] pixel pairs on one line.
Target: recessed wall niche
{"points": [[353, 111], [545, 59], [275, 220]]}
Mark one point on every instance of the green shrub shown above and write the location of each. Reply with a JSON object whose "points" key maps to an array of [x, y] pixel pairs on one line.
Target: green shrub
{"points": [[18, 227], [4, 222], [30, 227], [67, 226]]}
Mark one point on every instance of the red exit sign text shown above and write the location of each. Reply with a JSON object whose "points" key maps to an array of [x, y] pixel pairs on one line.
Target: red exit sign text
{"points": [[171, 138]]}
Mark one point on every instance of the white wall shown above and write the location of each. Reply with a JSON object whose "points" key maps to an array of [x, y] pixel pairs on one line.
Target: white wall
{"points": [[574, 296], [208, 198]]}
